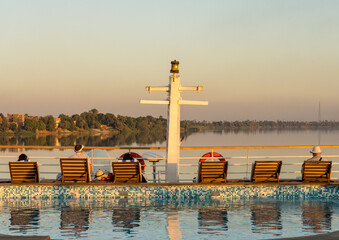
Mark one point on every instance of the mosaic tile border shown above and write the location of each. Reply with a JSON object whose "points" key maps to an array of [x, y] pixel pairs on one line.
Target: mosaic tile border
{"points": [[174, 192]]}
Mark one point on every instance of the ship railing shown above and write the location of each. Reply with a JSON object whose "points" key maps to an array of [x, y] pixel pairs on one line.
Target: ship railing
{"points": [[240, 165]]}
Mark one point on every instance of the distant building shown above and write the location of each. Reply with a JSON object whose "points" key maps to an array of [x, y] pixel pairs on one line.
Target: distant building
{"points": [[57, 122], [36, 118], [16, 118]]}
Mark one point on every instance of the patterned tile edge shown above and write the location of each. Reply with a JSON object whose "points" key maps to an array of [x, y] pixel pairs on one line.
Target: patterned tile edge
{"points": [[175, 192]]}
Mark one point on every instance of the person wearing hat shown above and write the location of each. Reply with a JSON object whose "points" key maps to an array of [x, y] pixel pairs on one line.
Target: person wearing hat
{"points": [[79, 154], [23, 158], [316, 151]]}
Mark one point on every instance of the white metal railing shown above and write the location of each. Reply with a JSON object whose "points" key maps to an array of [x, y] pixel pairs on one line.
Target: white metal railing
{"points": [[240, 166]]}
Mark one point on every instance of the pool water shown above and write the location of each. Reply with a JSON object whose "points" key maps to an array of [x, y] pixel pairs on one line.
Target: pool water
{"points": [[190, 219]]}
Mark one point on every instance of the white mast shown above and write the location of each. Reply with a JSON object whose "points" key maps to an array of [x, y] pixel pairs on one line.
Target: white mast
{"points": [[173, 123]]}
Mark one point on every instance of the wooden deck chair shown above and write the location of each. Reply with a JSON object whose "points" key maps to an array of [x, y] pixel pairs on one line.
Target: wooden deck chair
{"points": [[316, 171], [266, 171], [75, 170], [22, 172], [127, 172], [212, 172]]}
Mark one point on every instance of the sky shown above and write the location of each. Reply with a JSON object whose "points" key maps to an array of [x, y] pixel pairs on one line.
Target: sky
{"points": [[256, 59]]}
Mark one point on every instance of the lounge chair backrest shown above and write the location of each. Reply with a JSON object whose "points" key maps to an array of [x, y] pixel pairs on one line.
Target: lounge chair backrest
{"points": [[266, 171], [316, 171], [74, 170], [212, 172], [22, 172], [127, 172]]}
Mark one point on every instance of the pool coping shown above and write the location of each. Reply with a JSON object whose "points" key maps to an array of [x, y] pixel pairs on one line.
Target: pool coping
{"points": [[323, 236], [16, 237], [174, 184], [163, 191]]}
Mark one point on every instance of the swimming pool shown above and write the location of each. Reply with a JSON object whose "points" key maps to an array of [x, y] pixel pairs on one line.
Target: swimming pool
{"points": [[168, 218]]}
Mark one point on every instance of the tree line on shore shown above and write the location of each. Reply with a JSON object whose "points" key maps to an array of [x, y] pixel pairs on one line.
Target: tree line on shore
{"points": [[118, 124], [253, 125], [87, 121]]}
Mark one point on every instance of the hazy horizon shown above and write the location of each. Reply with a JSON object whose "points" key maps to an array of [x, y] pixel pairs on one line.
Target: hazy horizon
{"points": [[257, 60]]}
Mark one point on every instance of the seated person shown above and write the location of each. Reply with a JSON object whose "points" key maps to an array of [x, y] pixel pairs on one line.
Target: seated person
{"points": [[316, 151], [128, 158], [79, 154], [23, 158]]}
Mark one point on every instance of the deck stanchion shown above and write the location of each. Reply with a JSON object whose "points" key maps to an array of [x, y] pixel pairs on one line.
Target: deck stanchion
{"points": [[248, 152]]}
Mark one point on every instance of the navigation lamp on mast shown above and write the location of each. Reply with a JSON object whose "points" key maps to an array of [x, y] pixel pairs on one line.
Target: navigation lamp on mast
{"points": [[175, 66]]}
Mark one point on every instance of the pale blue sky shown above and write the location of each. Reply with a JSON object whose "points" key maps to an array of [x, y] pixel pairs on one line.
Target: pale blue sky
{"points": [[259, 60]]}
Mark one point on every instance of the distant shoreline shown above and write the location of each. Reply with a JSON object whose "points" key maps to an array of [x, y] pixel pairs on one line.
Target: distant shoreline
{"points": [[94, 122]]}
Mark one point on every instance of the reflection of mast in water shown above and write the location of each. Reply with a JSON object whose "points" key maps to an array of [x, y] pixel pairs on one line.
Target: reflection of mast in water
{"points": [[173, 225], [57, 142]]}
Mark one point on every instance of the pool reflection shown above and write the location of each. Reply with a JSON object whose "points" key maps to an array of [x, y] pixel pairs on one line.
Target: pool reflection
{"points": [[212, 220], [125, 217], [23, 220], [170, 219], [75, 219], [266, 218], [316, 216], [173, 225]]}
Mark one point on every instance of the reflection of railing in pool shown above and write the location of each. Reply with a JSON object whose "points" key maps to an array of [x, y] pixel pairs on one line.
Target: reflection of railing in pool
{"points": [[187, 165]]}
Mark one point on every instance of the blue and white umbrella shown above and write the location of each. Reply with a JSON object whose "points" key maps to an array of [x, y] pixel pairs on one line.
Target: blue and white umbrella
{"points": [[100, 153]]}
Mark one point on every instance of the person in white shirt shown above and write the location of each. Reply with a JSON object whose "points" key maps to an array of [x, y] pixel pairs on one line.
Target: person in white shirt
{"points": [[79, 154]]}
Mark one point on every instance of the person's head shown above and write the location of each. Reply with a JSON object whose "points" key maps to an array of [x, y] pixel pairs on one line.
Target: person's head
{"points": [[23, 157], [78, 148], [316, 151], [128, 156]]}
